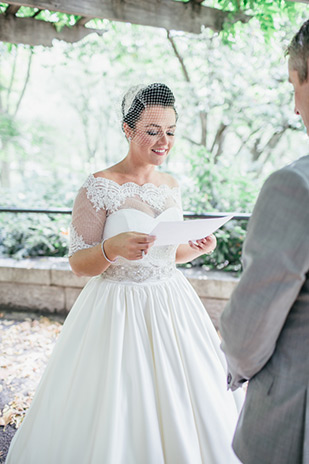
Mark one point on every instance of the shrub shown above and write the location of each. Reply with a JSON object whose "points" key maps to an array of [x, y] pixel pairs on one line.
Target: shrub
{"points": [[28, 235], [221, 188]]}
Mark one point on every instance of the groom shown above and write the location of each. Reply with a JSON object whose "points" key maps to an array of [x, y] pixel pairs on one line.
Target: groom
{"points": [[265, 326]]}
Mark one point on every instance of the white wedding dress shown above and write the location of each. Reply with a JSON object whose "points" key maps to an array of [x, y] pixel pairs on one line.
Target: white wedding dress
{"points": [[137, 375]]}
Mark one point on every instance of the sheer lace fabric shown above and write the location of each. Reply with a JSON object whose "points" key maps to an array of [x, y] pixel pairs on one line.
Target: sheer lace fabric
{"points": [[107, 194], [104, 208]]}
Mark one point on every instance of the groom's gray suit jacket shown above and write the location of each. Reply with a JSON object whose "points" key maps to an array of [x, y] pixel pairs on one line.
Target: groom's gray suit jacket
{"points": [[265, 326]]}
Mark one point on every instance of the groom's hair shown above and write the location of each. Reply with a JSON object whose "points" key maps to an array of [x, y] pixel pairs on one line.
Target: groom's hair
{"points": [[298, 51]]}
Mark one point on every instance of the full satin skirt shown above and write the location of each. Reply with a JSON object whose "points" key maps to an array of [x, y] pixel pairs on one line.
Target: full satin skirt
{"points": [[136, 377]]}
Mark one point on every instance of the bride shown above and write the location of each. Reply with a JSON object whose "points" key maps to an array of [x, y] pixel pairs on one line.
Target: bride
{"points": [[137, 375]]}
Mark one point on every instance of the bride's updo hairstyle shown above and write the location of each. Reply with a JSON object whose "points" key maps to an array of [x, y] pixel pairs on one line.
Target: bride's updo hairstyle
{"points": [[139, 98]]}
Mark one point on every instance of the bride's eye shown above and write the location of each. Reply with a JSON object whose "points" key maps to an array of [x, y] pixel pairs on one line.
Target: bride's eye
{"points": [[152, 133]]}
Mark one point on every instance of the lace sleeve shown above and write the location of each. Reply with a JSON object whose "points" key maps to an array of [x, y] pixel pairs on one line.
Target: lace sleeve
{"points": [[87, 224]]}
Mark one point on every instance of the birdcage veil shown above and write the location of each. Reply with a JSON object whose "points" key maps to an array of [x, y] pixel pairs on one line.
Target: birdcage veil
{"points": [[129, 97], [146, 101]]}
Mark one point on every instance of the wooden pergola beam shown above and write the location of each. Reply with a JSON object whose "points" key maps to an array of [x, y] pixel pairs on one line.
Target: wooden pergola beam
{"points": [[83, 20], [12, 10], [31, 31], [169, 14]]}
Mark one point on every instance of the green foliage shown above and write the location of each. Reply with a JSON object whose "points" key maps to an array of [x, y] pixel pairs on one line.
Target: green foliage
{"points": [[60, 19], [227, 255], [266, 8], [224, 189], [219, 186], [9, 128], [25, 235], [230, 239], [269, 14]]}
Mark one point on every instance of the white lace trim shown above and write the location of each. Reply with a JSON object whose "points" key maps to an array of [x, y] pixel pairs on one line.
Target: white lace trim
{"points": [[158, 264], [77, 242], [107, 194]]}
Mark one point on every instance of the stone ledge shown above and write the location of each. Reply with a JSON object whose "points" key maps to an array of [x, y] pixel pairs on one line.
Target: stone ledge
{"points": [[40, 271], [49, 285], [18, 271], [211, 284], [35, 297], [66, 278]]}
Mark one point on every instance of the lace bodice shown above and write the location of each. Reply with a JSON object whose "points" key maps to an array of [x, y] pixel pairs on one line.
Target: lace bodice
{"points": [[104, 208], [108, 195]]}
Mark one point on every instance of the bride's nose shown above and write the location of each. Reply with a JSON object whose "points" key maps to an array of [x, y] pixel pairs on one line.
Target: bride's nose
{"points": [[163, 138]]}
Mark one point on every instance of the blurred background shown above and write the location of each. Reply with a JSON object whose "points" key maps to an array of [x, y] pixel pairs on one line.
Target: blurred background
{"points": [[60, 119]]}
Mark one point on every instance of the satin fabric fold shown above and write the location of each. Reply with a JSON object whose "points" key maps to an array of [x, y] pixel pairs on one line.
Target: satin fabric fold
{"points": [[137, 377]]}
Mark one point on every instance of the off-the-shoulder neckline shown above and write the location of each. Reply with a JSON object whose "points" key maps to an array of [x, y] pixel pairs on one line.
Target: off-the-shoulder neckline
{"points": [[147, 184]]}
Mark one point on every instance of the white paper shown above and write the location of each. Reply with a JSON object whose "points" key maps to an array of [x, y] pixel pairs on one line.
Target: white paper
{"points": [[177, 232]]}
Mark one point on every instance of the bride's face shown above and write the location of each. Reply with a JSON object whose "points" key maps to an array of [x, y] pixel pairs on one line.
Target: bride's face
{"points": [[154, 134]]}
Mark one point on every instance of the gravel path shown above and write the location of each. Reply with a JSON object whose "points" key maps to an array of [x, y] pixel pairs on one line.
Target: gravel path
{"points": [[26, 343]]}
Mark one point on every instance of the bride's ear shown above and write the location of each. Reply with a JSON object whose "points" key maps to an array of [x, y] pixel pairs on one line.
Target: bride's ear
{"points": [[128, 131]]}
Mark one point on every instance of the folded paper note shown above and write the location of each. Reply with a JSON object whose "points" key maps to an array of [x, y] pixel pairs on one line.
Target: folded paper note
{"points": [[177, 232]]}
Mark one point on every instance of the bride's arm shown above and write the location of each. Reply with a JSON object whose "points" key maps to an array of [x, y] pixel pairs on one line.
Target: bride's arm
{"points": [[89, 262], [86, 234], [92, 261], [186, 253]]}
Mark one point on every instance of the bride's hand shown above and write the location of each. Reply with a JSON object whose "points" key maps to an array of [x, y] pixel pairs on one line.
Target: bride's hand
{"points": [[204, 245], [129, 245]]}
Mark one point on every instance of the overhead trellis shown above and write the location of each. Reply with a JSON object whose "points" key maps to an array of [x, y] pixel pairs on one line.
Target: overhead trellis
{"points": [[36, 26], [38, 22], [32, 22]]}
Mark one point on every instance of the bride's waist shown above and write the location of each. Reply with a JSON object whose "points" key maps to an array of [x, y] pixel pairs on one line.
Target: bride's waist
{"points": [[139, 273]]}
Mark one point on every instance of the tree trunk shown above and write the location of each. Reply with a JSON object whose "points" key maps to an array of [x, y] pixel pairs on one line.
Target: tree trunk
{"points": [[202, 114], [5, 178], [203, 119]]}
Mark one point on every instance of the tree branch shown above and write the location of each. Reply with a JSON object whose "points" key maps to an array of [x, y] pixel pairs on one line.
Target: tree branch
{"points": [[219, 133], [202, 114], [245, 142], [192, 141], [9, 90], [271, 143], [25, 83], [219, 140], [203, 118], [179, 57]]}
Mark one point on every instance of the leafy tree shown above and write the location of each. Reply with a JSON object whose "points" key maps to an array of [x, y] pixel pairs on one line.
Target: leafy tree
{"points": [[12, 90]]}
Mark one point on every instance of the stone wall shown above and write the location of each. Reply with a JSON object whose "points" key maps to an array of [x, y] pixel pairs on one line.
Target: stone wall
{"points": [[47, 285]]}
